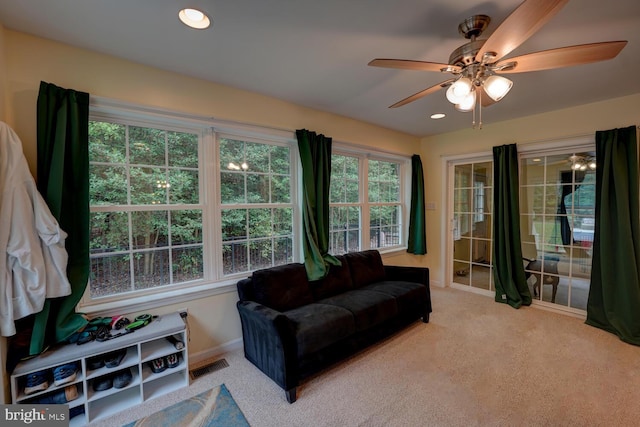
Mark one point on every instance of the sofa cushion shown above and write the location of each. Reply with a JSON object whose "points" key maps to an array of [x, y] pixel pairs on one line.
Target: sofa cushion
{"points": [[318, 326], [369, 308], [366, 267], [338, 280], [283, 287], [411, 297]]}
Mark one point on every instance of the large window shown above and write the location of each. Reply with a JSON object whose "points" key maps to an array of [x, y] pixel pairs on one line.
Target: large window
{"points": [[146, 216], [365, 191], [257, 210], [176, 205]]}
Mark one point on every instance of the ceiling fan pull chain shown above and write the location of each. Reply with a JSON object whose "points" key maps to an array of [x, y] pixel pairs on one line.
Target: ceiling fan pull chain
{"points": [[480, 107]]}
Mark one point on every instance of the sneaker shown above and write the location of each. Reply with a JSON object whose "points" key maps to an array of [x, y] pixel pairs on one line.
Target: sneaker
{"points": [[75, 411], [36, 381], [173, 360], [102, 383], [158, 365], [122, 379], [113, 359], [95, 363], [59, 397], [65, 374]]}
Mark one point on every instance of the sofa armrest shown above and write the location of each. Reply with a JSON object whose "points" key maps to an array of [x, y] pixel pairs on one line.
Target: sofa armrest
{"points": [[407, 274], [269, 342], [411, 274]]}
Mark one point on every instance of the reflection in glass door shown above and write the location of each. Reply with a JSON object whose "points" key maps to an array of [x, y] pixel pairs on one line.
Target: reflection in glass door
{"points": [[471, 224]]}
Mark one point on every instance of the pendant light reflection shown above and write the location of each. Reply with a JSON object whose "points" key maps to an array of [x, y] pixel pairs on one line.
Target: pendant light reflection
{"points": [[234, 167]]}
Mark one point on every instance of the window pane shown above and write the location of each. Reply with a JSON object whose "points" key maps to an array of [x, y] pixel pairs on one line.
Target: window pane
{"points": [[259, 223], [183, 188], [282, 222], [282, 250], [280, 160], [232, 187], [147, 146], [231, 154], [257, 188], [109, 275], [109, 232], [150, 229], [107, 143], [183, 149], [257, 157], [234, 224], [107, 185], [186, 227], [260, 252], [148, 186], [280, 189], [187, 264], [151, 269], [235, 258]]}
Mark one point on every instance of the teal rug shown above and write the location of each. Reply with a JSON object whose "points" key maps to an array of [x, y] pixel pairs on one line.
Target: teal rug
{"points": [[212, 408]]}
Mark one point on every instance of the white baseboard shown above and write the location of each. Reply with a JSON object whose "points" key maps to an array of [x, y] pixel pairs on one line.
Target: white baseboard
{"points": [[196, 358]]}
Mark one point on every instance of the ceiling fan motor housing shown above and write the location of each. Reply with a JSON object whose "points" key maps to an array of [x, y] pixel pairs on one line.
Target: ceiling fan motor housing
{"points": [[470, 28]]}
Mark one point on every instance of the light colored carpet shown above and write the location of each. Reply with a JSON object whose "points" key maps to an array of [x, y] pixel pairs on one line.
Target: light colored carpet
{"points": [[477, 363]]}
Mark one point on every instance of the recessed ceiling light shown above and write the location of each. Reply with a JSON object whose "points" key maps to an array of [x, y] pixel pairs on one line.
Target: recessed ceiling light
{"points": [[194, 18], [437, 116]]}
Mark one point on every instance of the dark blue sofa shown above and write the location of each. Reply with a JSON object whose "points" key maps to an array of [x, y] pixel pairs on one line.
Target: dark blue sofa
{"points": [[293, 328]]}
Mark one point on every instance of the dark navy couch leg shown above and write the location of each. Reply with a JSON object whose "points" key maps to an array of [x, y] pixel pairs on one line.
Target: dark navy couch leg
{"points": [[425, 318], [291, 395]]}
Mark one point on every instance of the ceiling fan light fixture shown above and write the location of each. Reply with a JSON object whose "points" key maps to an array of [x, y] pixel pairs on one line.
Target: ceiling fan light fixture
{"points": [[497, 87], [467, 103], [194, 18], [459, 90]]}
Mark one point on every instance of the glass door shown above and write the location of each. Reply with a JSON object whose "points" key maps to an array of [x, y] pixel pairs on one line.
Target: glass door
{"points": [[470, 216]]}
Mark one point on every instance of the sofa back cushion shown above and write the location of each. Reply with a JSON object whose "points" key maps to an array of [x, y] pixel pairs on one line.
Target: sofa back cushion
{"points": [[338, 280], [282, 288], [366, 267]]}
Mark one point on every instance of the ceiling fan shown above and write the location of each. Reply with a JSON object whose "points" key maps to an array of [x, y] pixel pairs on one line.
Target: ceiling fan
{"points": [[477, 65]]}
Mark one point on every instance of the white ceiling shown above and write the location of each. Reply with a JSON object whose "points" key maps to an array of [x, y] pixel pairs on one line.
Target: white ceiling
{"points": [[315, 52]]}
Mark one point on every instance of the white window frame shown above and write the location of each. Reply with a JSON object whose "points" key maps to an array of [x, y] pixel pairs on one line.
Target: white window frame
{"points": [[364, 154], [213, 282]]}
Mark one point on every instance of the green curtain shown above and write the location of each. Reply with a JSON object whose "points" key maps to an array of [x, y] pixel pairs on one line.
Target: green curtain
{"points": [[63, 181], [508, 269], [417, 243], [614, 294], [315, 155]]}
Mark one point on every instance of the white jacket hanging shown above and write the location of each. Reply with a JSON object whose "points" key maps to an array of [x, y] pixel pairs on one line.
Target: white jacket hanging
{"points": [[33, 258]]}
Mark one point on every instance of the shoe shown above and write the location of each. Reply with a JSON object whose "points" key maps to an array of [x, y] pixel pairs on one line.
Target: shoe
{"points": [[59, 397], [158, 365], [75, 411], [122, 379], [103, 383], [113, 359], [64, 374], [95, 363], [173, 360], [36, 381]]}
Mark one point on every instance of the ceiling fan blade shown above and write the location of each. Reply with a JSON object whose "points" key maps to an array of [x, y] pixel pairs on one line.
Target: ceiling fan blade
{"points": [[422, 93], [407, 64], [561, 57], [518, 27]]}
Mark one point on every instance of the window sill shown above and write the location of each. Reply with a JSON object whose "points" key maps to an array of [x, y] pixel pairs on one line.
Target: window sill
{"points": [[153, 301]]}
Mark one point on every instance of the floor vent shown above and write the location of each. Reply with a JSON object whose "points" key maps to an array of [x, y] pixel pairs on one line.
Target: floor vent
{"points": [[208, 368]]}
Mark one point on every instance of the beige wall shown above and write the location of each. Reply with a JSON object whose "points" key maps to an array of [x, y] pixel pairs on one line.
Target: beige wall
{"points": [[558, 125], [213, 321]]}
